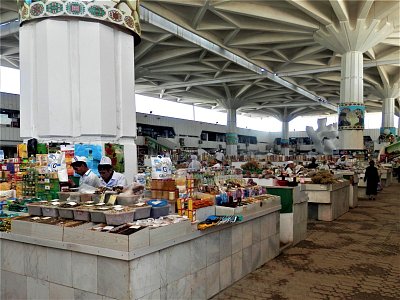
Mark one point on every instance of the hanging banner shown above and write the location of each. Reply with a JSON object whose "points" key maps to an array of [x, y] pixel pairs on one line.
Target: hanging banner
{"points": [[387, 135], [351, 116], [93, 154], [116, 153]]}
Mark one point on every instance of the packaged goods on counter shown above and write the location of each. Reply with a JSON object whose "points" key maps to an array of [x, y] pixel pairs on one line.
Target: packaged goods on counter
{"points": [[212, 221]]}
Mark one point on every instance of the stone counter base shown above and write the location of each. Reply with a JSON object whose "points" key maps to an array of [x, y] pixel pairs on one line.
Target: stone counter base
{"points": [[196, 269]]}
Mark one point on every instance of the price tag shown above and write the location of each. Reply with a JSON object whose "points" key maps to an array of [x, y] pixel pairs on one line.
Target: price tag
{"points": [[140, 204], [112, 199], [135, 227], [102, 198], [4, 168], [47, 187], [108, 227], [47, 180]]}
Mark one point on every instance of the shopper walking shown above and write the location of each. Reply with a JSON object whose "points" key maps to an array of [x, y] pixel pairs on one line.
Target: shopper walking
{"points": [[372, 179]]}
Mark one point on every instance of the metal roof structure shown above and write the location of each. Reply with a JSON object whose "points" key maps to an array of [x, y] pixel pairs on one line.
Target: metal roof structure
{"points": [[260, 57]]}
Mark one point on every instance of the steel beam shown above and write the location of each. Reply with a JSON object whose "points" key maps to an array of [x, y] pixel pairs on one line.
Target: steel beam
{"points": [[367, 65]]}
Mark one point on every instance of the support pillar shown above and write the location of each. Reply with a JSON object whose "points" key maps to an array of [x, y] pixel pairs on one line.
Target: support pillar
{"points": [[231, 135], [388, 93], [388, 116], [285, 133], [352, 40], [351, 107], [77, 76], [285, 138]]}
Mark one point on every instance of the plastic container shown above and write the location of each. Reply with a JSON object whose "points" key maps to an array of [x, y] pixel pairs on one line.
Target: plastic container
{"points": [[66, 213], [142, 212], [82, 214], [86, 197], [50, 211], [35, 209], [97, 215], [161, 211], [128, 200], [282, 182], [116, 218], [69, 196]]}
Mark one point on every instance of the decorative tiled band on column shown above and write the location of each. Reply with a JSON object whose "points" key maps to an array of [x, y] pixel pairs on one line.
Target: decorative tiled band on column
{"points": [[232, 138], [124, 13], [351, 116], [284, 143]]}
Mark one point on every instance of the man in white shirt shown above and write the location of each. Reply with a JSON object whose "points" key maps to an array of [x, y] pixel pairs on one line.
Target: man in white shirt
{"points": [[110, 178], [290, 167], [219, 156], [194, 165], [87, 176]]}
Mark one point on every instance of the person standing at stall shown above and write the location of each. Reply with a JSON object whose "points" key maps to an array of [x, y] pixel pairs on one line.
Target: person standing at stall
{"points": [[194, 165], [87, 176], [110, 178], [219, 156], [372, 179], [313, 164]]}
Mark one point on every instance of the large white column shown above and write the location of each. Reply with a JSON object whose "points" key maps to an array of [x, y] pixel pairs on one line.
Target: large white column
{"points": [[388, 93], [285, 137], [77, 84], [351, 99], [351, 40], [388, 114], [231, 134]]}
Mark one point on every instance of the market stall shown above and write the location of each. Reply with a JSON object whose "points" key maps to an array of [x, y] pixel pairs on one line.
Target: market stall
{"points": [[386, 172], [327, 202], [293, 215], [77, 259], [352, 176]]}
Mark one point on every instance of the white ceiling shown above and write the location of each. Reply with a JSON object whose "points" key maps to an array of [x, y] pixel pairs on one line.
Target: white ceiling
{"points": [[257, 56]]}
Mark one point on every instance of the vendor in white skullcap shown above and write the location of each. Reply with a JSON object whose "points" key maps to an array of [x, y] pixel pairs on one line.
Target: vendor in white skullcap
{"points": [[110, 178], [289, 169], [87, 176], [194, 165]]}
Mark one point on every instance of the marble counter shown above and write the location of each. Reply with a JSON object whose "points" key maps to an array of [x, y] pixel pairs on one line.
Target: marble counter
{"points": [[386, 177], [195, 265], [293, 216], [327, 202], [293, 213], [353, 191]]}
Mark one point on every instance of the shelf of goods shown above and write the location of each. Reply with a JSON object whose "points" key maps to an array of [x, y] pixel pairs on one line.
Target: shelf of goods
{"points": [[70, 259], [327, 202], [293, 215]]}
